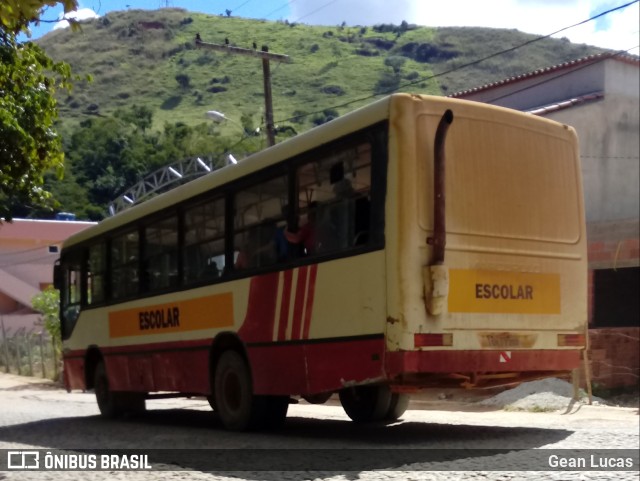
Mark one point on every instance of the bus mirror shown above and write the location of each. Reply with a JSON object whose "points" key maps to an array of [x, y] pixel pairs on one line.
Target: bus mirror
{"points": [[57, 276]]}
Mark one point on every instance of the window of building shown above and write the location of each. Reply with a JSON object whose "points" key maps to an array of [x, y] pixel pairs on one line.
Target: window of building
{"points": [[615, 297], [203, 255]]}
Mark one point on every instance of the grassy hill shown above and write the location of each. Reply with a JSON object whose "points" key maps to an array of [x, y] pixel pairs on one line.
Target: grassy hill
{"points": [[148, 58]]}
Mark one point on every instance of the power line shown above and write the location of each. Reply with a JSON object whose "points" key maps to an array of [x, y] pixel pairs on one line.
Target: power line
{"points": [[316, 10], [279, 8], [460, 67], [240, 6]]}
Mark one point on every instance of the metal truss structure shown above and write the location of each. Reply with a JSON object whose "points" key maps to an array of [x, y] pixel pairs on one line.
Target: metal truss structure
{"points": [[163, 179]]}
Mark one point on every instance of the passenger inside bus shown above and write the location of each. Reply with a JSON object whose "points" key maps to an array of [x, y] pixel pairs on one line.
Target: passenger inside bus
{"points": [[307, 234]]}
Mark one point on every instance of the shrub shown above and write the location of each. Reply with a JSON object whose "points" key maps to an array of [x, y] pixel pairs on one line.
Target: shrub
{"points": [[216, 89], [183, 80], [365, 52], [332, 90]]}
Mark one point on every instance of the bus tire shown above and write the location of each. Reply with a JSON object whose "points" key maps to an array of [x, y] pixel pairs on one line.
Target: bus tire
{"points": [[235, 403], [321, 398], [107, 400], [398, 406], [364, 404]]}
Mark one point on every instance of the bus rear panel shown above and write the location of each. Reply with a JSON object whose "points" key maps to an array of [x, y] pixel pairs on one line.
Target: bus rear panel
{"points": [[508, 300]]}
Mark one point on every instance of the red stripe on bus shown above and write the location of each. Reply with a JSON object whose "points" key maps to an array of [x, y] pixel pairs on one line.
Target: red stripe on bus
{"points": [[284, 305], [313, 367], [298, 307], [311, 290], [261, 309]]}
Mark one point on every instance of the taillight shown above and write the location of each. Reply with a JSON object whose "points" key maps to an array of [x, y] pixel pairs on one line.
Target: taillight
{"points": [[432, 340], [571, 340]]}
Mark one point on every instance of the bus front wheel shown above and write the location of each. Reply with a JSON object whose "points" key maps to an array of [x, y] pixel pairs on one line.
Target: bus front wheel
{"points": [[106, 399], [365, 404], [113, 404]]}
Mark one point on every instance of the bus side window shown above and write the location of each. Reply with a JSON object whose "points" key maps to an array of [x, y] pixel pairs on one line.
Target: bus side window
{"points": [[338, 185], [259, 224], [96, 274], [160, 250], [203, 255], [125, 269]]}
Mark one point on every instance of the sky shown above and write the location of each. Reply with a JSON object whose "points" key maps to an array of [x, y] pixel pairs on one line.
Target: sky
{"points": [[618, 30]]}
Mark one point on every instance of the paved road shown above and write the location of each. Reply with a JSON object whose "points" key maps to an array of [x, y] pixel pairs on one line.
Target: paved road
{"points": [[319, 442]]}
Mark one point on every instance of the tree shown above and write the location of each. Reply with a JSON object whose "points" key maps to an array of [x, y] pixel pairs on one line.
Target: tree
{"points": [[47, 303], [138, 115], [15, 15], [29, 145], [395, 62]]}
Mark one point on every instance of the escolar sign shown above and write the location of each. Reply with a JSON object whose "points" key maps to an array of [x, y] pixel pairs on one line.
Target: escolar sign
{"points": [[208, 312], [503, 292]]}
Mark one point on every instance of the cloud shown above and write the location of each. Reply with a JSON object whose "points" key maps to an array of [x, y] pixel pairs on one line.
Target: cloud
{"points": [[353, 12], [80, 14], [615, 30]]}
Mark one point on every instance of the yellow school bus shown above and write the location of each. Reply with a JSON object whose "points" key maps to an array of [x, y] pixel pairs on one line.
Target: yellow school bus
{"points": [[418, 241]]}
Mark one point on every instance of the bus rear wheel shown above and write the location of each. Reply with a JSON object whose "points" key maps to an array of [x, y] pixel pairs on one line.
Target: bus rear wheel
{"points": [[364, 404], [398, 405]]}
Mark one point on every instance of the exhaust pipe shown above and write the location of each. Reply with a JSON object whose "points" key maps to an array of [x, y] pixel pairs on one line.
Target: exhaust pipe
{"points": [[439, 238], [436, 275]]}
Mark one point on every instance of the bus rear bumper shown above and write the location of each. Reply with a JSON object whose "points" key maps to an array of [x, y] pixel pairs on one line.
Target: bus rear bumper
{"points": [[477, 368]]}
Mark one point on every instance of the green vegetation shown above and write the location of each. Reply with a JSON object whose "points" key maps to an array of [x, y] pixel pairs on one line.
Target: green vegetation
{"points": [[29, 80], [47, 303], [152, 86], [150, 58]]}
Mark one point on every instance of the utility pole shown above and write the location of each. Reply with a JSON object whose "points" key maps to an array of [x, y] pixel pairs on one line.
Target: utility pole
{"points": [[266, 57]]}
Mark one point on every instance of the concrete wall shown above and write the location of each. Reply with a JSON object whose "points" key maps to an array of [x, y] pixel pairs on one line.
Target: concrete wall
{"points": [[614, 244], [609, 150]]}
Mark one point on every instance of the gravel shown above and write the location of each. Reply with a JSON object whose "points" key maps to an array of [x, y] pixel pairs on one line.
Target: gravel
{"points": [[545, 395]]}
